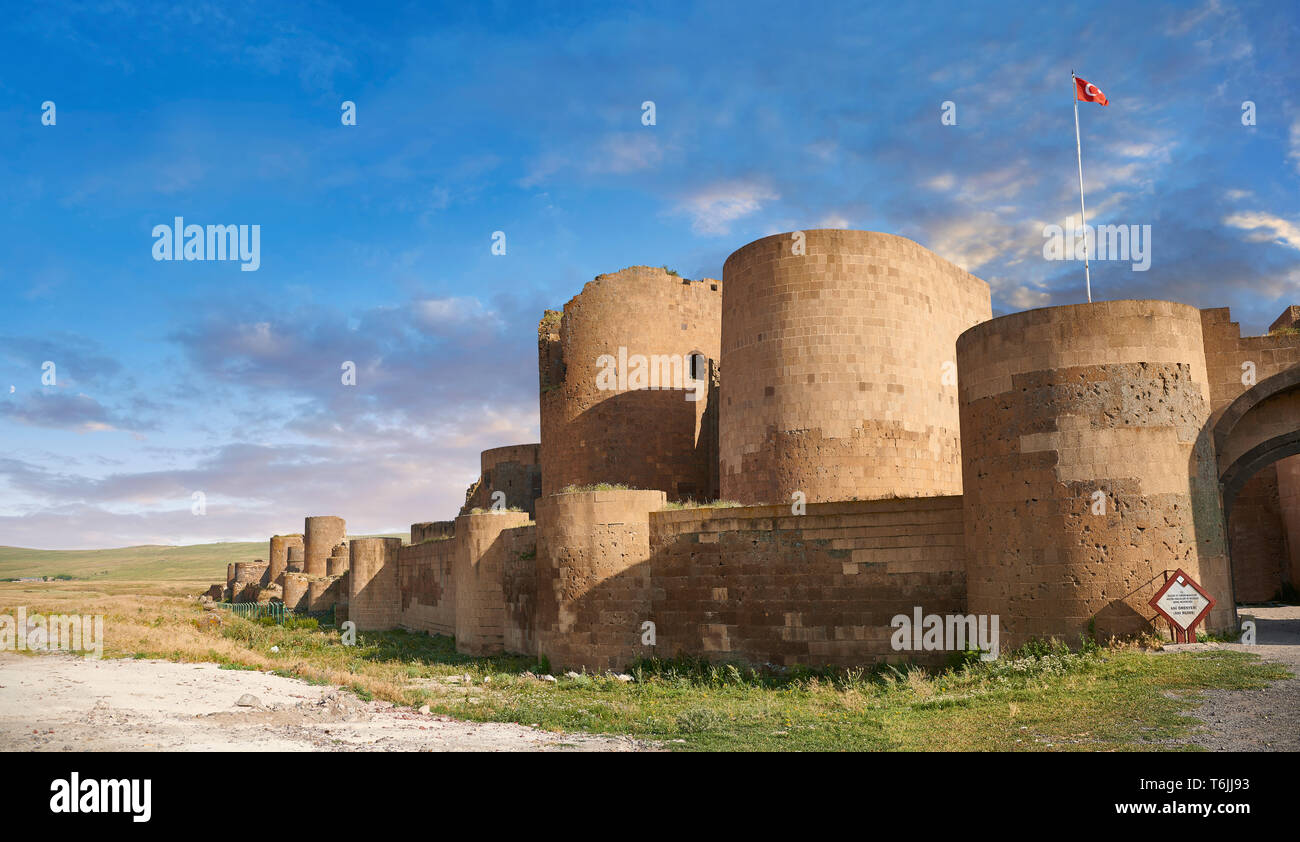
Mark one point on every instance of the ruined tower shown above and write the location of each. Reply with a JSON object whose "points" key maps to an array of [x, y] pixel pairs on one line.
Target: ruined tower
{"points": [[649, 438]]}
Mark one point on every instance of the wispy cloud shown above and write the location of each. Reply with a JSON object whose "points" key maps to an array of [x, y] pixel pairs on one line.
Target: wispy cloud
{"points": [[715, 207], [1266, 228]]}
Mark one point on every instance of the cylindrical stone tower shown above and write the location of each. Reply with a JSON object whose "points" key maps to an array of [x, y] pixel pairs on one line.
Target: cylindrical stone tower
{"points": [[341, 603], [250, 572], [838, 367], [593, 577], [295, 563], [1089, 474], [514, 471], [374, 598], [321, 535], [279, 554], [321, 594], [478, 568], [616, 371], [295, 591], [337, 564]]}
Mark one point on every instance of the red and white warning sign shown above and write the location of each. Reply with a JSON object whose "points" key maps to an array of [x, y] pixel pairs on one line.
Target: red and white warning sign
{"points": [[1184, 604]]}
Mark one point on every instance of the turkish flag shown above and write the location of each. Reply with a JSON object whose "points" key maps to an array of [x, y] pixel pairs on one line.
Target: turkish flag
{"points": [[1085, 91]]}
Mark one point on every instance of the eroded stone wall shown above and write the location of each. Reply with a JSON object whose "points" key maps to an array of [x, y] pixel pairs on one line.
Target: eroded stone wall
{"points": [[519, 589], [428, 589], [1089, 471], [593, 576], [472, 584], [432, 530], [295, 591]]}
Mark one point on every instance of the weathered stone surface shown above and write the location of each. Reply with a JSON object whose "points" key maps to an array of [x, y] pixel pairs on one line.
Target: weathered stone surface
{"points": [[838, 368], [641, 438], [1088, 468]]}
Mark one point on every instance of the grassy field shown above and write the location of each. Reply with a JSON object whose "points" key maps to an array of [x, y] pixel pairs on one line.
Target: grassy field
{"points": [[196, 562], [200, 561], [1121, 699]]}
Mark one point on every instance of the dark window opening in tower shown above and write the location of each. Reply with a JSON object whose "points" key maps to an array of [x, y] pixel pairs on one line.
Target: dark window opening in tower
{"points": [[699, 366]]}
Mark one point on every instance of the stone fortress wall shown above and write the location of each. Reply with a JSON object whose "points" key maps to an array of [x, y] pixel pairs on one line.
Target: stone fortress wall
{"points": [[882, 447], [1060, 405]]}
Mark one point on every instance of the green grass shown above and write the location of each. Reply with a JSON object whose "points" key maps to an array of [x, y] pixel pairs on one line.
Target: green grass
{"points": [[1041, 699], [1106, 700], [673, 506], [599, 486]]}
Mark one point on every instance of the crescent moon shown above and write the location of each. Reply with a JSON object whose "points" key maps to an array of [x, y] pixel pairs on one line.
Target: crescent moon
{"points": [[1090, 90]]}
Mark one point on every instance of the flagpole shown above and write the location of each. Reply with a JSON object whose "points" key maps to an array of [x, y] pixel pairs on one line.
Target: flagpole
{"points": [[1083, 214]]}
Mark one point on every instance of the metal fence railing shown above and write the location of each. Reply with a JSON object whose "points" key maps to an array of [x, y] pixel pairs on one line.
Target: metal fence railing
{"points": [[276, 610], [257, 610]]}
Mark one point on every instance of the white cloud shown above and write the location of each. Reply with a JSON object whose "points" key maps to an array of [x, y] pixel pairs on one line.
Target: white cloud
{"points": [[627, 152], [988, 187], [441, 313], [941, 182], [1193, 18], [1265, 227], [1025, 298], [1155, 152], [713, 208], [257, 339], [620, 153], [975, 240]]}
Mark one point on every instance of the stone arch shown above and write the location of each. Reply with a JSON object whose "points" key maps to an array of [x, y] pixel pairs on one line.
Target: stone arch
{"points": [[1258, 428]]}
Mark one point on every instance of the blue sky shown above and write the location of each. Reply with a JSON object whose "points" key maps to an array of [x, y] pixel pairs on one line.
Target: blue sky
{"points": [[177, 377]]}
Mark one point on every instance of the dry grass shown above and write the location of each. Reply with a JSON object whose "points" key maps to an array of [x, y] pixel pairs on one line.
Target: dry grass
{"points": [[1118, 698]]}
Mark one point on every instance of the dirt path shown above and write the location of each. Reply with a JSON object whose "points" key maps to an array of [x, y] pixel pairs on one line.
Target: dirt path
{"points": [[66, 703], [1258, 720]]}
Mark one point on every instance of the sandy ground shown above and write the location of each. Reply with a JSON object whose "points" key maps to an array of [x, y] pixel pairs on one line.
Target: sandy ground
{"points": [[1257, 720], [66, 703]]}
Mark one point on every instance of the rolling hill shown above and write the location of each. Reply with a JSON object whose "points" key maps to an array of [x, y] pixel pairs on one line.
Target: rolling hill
{"points": [[206, 562]]}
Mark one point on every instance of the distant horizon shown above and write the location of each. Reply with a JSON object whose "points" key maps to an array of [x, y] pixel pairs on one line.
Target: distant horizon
{"points": [[392, 534]]}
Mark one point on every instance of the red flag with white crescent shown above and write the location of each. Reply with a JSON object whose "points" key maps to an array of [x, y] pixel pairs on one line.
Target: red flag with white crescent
{"points": [[1085, 91]]}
